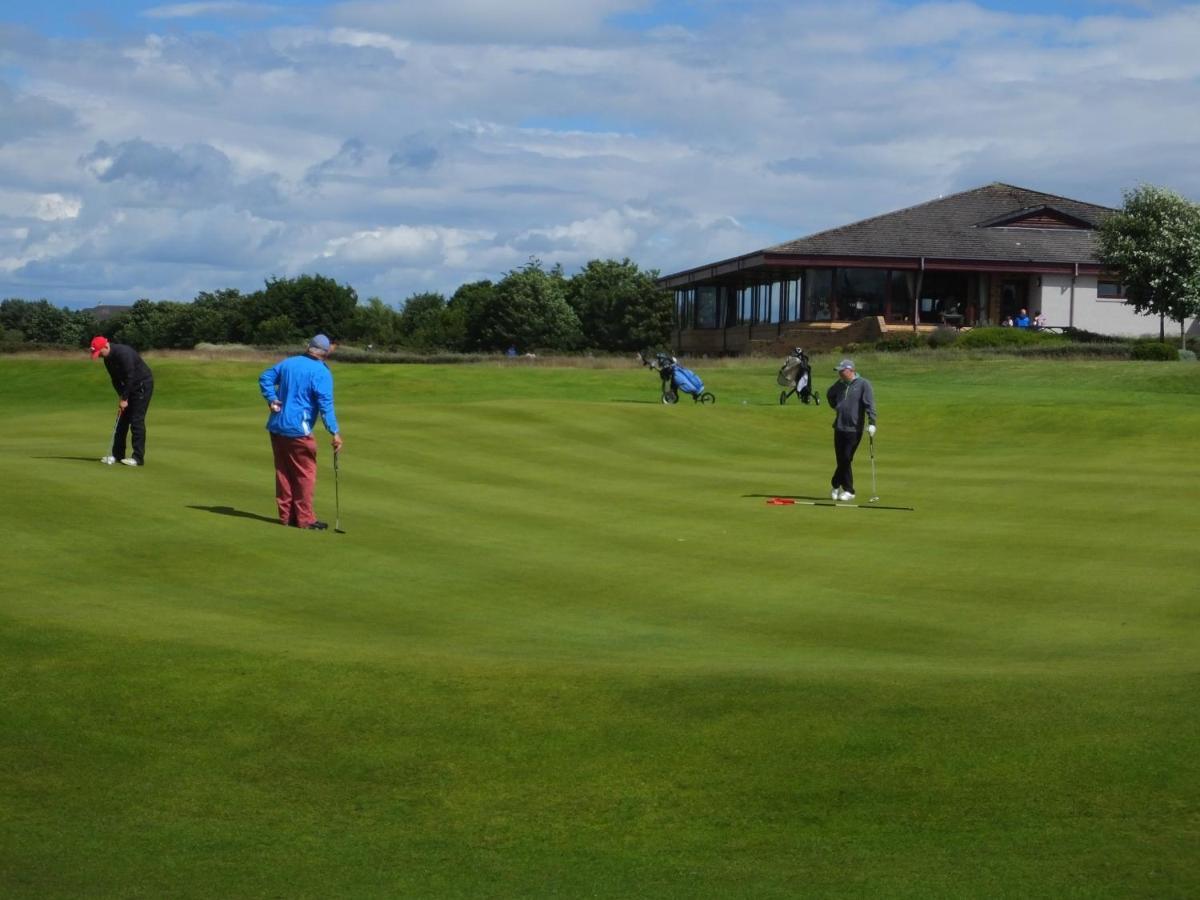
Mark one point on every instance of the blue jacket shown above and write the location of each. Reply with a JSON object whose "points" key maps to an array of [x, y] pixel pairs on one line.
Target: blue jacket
{"points": [[305, 388]]}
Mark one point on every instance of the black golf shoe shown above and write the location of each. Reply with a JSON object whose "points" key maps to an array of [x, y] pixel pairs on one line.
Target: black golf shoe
{"points": [[317, 526]]}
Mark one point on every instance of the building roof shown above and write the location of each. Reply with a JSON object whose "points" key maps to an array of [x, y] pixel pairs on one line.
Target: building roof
{"points": [[997, 223], [969, 225]]}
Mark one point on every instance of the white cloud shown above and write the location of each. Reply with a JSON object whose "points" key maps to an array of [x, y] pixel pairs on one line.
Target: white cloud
{"points": [[518, 21], [402, 244], [216, 8], [52, 207]]}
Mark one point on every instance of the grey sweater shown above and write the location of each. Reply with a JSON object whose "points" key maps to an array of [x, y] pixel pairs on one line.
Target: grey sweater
{"points": [[849, 400]]}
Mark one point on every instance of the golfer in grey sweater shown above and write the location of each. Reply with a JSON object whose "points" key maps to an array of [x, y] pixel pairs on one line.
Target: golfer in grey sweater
{"points": [[852, 398]]}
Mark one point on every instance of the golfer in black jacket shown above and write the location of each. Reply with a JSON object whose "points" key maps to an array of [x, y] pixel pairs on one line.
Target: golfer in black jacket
{"points": [[134, 385]]}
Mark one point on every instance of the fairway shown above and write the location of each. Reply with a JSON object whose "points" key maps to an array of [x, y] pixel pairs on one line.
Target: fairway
{"points": [[567, 649]]}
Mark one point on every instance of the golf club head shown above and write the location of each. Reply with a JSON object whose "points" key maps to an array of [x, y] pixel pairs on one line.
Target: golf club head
{"points": [[337, 530]]}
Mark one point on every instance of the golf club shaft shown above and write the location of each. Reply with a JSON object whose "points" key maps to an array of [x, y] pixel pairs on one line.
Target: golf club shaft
{"points": [[874, 487], [113, 439], [337, 495]]}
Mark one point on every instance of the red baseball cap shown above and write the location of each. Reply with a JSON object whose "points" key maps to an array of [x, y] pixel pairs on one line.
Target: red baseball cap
{"points": [[98, 344]]}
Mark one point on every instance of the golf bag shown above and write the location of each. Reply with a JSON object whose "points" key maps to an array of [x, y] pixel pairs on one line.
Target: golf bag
{"points": [[796, 376], [676, 379]]}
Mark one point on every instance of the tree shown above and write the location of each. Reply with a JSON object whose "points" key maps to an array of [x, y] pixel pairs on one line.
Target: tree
{"points": [[1153, 243], [313, 303], [375, 324], [421, 321], [463, 328], [620, 307], [528, 309], [223, 316]]}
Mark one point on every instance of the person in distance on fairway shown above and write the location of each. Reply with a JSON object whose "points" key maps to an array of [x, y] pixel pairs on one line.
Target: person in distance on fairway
{"points": [[298, 390], [134, 384], [853, 400]]}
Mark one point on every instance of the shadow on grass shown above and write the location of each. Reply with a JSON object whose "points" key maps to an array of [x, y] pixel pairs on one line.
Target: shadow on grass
{"points": [[238, 513], [91, 459], [788, 496], [829, 501]]}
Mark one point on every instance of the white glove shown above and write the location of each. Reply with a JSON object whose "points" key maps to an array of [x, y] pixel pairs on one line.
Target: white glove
{"points": [[871, 430]]}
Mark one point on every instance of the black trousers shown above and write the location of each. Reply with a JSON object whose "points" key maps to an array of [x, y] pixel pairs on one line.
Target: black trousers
{"points": [[134, 419], [844, 445]]}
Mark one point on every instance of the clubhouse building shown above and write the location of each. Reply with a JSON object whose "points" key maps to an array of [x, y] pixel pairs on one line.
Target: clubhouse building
{"points": [[968, 259]]}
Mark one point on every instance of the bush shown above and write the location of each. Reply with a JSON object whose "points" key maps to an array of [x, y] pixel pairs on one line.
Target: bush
{"points": [[900, 342], [1155, 350], [1112, 350], [943, 336], [1008, 337], [1187, 355], [1080, 336]]}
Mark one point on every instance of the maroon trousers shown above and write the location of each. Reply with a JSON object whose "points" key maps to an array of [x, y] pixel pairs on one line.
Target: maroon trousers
{"points": [[295, 478]]}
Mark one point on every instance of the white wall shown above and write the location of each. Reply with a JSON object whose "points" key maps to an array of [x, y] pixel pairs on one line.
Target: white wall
{"points": [[1093, 313]]}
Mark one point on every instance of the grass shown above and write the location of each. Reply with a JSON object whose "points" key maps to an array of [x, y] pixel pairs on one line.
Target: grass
{"points": [[566, 649]]}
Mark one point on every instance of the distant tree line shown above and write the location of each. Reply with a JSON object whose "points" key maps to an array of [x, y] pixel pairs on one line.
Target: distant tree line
{"points": [[607, 305]]}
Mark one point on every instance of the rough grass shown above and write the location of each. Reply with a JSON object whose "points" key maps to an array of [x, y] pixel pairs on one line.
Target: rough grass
{"points": [[566, 649]]}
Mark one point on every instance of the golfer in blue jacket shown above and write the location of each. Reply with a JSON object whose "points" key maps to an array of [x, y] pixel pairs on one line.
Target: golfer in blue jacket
{"points": [[298, 390]]}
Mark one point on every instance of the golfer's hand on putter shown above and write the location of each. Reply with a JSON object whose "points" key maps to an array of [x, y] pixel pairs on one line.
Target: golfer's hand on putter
{"points": [[337, 443], [871, 430]]}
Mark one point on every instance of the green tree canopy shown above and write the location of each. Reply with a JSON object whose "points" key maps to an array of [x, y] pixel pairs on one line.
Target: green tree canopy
{"points": [[313, 303], [529, 310], [463, 326], [620, 307], [375, 323], [422, 321], [1153, 243]]}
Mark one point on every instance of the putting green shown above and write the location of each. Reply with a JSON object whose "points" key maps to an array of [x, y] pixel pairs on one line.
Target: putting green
{"points": [[566, 648]]}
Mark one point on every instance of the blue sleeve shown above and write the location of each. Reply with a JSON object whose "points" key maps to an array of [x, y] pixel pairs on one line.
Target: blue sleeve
{"points": [[267, 382], [323, 385]]}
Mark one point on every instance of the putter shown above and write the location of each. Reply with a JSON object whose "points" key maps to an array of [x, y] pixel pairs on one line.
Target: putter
{"points": [[874, 487], [113, 439], [337, 498]]}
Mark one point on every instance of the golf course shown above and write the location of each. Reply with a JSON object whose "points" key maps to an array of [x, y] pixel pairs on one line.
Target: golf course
{"points": [[566, 647]]}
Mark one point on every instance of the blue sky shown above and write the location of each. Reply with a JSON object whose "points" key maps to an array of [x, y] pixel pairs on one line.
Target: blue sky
{"points": [[158, 150]]}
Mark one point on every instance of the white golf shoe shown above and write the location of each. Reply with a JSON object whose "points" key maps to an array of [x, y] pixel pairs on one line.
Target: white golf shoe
{"points": [[845, 495], [127, 461], [108, 460], [836, 494]]}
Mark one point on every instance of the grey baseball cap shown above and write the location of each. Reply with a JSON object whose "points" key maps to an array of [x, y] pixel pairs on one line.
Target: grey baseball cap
{"points": [[845, 364], [319, 342]]}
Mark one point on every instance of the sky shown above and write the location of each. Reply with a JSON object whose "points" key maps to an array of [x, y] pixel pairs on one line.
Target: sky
{"points": [[157, 150]]}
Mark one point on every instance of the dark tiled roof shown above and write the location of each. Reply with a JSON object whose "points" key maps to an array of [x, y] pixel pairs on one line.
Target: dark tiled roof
{"points": [[103, 311], [951, 228]]}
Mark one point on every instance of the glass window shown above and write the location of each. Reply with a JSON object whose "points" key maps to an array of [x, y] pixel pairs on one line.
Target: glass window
{"points": [[903, 286], [1110, 290], [818, 291], [861, 292], [791, 300], [772, 293], [706, 307]]}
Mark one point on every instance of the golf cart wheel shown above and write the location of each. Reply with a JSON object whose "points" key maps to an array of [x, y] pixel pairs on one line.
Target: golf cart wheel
{"points": [[783, 395], [707, 397], [670, 398]]}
